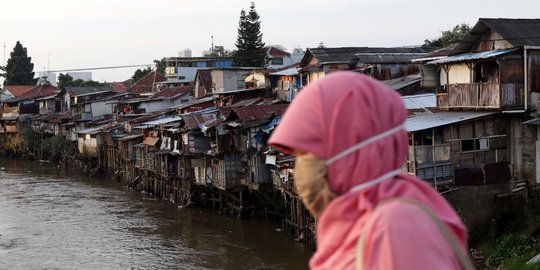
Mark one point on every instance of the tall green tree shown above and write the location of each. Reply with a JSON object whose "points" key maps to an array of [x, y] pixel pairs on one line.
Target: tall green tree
{"points": [[449, 36], [19, 69], [250, 52]]}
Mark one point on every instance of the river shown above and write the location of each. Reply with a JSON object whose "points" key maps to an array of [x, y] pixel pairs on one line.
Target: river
{"points": [[54, 220]]}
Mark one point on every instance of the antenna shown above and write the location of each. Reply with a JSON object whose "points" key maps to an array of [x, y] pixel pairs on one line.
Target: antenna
{"points": [[4, 53], [48, 61], [212, 48]]}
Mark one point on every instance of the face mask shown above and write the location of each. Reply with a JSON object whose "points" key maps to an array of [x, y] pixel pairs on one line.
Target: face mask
{"points": [[311, 184], [310, 177]]}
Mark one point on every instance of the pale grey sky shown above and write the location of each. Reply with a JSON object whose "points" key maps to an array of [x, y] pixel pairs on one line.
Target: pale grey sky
{"points": [[97, 33]]}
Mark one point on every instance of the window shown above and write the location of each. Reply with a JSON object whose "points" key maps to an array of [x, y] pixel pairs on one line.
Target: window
{"points": [[277, 61], [477, 144]]}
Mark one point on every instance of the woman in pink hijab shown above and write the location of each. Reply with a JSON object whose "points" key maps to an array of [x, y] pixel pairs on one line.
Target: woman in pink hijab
{"points": [[347, 132]]}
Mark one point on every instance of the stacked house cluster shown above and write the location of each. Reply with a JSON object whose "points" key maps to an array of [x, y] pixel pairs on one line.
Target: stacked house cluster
{"points": [[197, 134]]}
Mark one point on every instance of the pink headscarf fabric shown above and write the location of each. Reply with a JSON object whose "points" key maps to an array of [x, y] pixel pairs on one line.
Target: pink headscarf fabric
{"points": [[334, 114]]}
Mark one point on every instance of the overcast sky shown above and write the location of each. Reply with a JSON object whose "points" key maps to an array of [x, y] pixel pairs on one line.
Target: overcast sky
{"points": [[66, 34]]}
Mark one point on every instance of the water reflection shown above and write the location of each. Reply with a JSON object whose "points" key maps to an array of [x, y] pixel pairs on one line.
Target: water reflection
{"points": [[50, 219]]}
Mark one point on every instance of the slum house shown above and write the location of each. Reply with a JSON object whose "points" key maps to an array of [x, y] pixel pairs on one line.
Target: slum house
{"points": [[204, 120], [73, 95], [136, 107], [17, 109], [146, 86], [89, 140], [278, 57], [157, 156], [317, 62], [258, 78], [51, 124], [196, 143], [120, 87], [286, 83], [90, 110], [388, 63], [496, 68], [179, 68], [13, 91], [166, 98], [220, 80], [252, 129]]}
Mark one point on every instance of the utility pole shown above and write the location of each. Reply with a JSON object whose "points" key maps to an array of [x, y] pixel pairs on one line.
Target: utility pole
{"points": [[4, 53]]}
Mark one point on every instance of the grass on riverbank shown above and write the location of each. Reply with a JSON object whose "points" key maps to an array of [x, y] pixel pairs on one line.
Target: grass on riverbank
{"points": [[512, 240]]}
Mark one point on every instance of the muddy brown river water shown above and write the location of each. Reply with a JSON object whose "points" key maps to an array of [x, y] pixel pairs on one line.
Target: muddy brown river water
{"points": [[54, 220]]}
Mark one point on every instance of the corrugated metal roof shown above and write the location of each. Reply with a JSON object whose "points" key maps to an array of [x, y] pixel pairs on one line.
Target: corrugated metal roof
{"points": [[346, 54], [88, 90], [196, 119], [130, 137], [472, 56], [93, 130], [160, 121], [518, 32], [286, 72], [420, 101], [260, 112], [403, 82], [426, 120], [387, 58]]}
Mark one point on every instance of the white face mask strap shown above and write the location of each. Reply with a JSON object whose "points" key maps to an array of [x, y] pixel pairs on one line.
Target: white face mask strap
{"points": [[375, 181], [363, 143]]}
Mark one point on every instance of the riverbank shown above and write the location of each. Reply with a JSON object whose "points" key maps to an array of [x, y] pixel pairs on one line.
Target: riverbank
{"points": [[278, 205], [508, 240]]}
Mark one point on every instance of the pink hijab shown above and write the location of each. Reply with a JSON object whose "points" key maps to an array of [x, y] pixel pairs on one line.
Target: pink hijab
{"points": [[328, 117]]}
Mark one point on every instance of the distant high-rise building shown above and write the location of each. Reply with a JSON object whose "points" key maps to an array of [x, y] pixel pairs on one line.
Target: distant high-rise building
{"points": [[184, 53], [85, 76]]}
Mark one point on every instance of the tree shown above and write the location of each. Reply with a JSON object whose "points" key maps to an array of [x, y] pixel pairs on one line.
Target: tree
{"points": [[19, 69], [65, 80], [218, 51], [450, 36], [250, 52], [160, 66], [139, 73]]}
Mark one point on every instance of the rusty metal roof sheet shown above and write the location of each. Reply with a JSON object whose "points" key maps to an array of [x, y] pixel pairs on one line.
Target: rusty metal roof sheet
{"points": [[150, 140], [260, 112], [194, 120], [426, 120]]}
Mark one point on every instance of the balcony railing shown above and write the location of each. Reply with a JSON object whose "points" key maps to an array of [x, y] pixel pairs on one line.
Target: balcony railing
{"points": [[45, 110], [482, 96]]}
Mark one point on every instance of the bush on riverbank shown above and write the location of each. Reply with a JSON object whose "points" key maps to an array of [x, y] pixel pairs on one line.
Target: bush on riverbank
{"points": [[57, 148], [510, 241]]}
